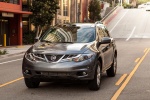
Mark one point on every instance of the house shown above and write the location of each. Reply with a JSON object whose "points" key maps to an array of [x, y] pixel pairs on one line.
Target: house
{"points": [[11, 13]]}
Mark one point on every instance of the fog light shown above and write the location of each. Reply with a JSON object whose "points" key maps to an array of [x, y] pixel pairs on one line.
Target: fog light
{"points": [[27, 72], [84, 73]]}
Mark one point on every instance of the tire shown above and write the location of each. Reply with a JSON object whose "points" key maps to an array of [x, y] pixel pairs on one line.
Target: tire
{"points": [[96, 82], [111, 72], [31, 83]]}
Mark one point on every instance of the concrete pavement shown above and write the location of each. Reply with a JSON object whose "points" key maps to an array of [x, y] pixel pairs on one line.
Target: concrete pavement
{"points": [[14, 50]]}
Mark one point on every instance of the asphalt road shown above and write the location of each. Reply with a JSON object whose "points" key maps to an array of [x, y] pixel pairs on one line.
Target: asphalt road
{"points": [[130, 28]]}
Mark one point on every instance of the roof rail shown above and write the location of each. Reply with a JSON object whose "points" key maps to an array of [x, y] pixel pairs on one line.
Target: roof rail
{"points": [[98, 22]]}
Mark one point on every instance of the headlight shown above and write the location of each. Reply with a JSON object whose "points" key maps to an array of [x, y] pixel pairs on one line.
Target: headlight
{"points": [[30, 56], [81, 57], [35, 57]]}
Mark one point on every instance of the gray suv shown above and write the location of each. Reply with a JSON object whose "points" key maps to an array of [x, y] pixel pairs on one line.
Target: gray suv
{"points": [[80, 51]]}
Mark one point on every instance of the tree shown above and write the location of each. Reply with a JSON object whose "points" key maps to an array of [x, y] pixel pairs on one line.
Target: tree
{"points": [[142, 1], [94, 10], [43, 13], [112, 2]]}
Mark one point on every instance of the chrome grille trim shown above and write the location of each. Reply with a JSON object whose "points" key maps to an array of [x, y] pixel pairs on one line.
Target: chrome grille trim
{"points": [[43, 57], [38, 57], [60, 58]]}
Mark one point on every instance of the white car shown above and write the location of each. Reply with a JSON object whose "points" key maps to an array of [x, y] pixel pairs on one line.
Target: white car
{"points": [[144, 5], [148, 8]]}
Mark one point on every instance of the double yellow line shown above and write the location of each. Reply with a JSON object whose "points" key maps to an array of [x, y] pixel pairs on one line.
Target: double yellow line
{"points": [[11, 82], [118, 92]]}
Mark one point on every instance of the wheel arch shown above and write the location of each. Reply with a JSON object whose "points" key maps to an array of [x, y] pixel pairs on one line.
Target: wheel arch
{"points": [[115, 53], [101, 62]]}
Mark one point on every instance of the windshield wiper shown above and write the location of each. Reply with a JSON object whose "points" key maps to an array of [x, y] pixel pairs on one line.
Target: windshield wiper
{"points": [[66, 42], [46, 41]]}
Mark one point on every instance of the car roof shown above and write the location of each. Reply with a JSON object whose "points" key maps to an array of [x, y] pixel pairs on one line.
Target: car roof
{"points": [[86, 24]]}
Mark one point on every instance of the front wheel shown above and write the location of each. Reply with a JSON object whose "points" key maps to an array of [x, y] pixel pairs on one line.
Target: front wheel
{"points": [[111, 72], [96, 82], [31, 83]]}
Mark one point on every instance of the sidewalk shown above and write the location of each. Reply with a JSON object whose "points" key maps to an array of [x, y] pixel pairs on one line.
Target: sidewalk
{"points": [[14, 50]]}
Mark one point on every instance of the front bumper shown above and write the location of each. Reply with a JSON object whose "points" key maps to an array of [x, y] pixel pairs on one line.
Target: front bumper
{"points": [[63, 70]]}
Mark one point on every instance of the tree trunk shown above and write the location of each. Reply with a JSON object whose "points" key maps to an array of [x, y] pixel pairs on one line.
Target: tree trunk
{"points": [[39, 31]]}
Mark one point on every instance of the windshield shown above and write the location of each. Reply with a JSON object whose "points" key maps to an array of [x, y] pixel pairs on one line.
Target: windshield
{"points": [[69, 34]]}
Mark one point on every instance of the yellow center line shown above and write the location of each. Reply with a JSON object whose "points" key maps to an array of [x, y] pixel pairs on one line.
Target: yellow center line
{"points": [[121, 79], [11, 82], [145, 50], [137, 60], [116, 95]]}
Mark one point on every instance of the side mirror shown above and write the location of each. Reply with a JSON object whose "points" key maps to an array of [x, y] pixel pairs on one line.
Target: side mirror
{"points": [[36, 39], [106, 40]]}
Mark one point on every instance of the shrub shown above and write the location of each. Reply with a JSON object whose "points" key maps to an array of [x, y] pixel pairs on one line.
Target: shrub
{"points": [[28, 38], [2, 52], [125, 5]]}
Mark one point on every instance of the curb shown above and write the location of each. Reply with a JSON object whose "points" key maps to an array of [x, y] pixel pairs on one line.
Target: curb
{"points": [[17, 47], [10, 55], [111, 15]]}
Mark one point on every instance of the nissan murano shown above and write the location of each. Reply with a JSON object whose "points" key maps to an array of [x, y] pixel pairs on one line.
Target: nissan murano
{"points": [[79, 51]]}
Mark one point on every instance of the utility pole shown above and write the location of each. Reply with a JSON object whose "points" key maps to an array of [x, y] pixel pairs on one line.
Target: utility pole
{"points": [[79, 12], [76, 11], [87, 11], [121, 3]]}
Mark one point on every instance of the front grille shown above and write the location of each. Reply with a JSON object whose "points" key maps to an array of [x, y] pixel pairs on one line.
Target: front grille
{"points": [[51, 57]]}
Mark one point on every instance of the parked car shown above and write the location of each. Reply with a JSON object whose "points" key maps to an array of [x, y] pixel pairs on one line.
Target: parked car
{"points": [[148, 8], [144, 5], [80, 51]]}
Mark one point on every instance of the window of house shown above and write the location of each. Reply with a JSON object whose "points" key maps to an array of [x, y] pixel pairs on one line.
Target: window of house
{"points": [[59, 10], [24, 2], [10, 1], [65, 7], [25, 6], [16, 1], [25, 24]]}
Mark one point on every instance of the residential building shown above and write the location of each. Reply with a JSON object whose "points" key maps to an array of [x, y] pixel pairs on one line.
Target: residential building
{"points": [[11, 13], [72, 11], [63, 14]]}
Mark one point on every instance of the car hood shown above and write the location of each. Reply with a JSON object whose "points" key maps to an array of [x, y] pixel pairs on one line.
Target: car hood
{"points": [[59, 48]]}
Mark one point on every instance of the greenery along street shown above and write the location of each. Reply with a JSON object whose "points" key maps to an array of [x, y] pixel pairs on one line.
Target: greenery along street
{"points": [[43, 13], [2, 52]]}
